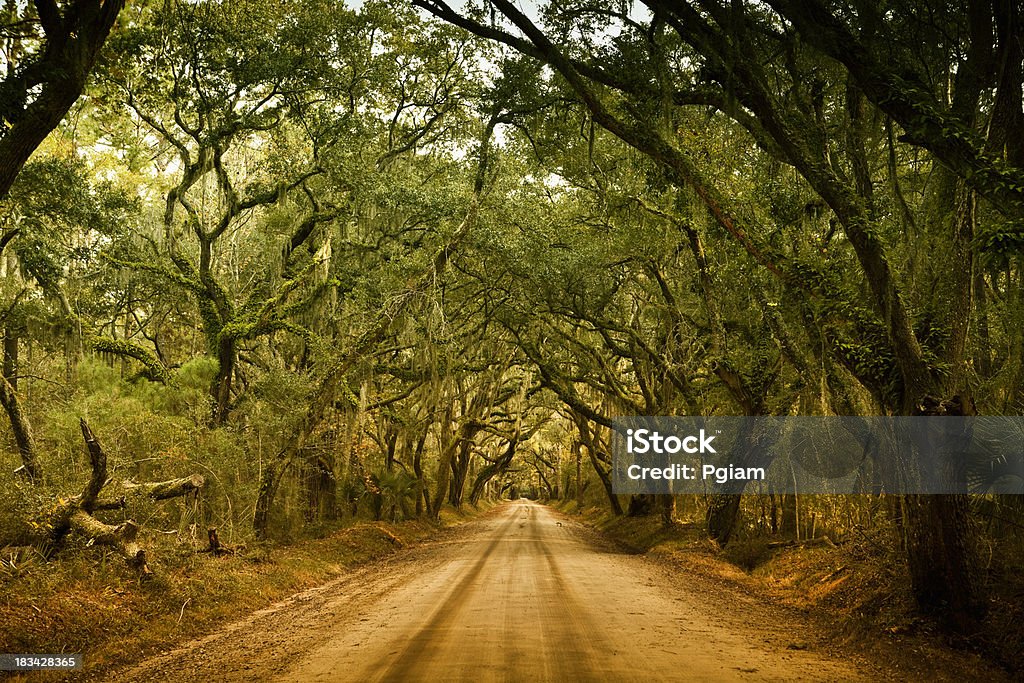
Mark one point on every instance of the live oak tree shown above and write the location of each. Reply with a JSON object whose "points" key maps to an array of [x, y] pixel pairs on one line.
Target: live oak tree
{"points": [[51, 49], [49, 53], [260, 139], [224, 103], [362, 262], [815, 87]]}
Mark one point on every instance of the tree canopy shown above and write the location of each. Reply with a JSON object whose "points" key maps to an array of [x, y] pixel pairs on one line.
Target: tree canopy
{"points": [[394, 256]]}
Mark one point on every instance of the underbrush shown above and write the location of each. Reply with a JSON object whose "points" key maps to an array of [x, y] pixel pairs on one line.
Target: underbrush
{"points": [[85, 600], [78, 597], [1004, 633], [860, 588]]}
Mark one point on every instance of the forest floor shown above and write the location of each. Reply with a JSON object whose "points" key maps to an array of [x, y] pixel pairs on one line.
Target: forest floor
{"points": [[528, 593], [86, 601]]}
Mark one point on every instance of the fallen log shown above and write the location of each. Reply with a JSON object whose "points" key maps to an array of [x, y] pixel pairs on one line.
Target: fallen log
{"points": [[98, 460], [807, 543], [120, 537], [164, 490], [119, 503], [114, 504], [76, 513]]}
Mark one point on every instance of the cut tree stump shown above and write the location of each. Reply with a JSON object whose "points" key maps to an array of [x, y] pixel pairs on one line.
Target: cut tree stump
{"points": [[211, 533], [215, 547]]}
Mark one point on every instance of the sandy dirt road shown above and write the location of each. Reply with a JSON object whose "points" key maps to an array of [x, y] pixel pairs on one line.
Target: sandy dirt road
{"points": [[523, 594]]}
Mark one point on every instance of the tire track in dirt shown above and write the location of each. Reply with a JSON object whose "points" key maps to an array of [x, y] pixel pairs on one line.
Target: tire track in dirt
{"points": [[446, 613], [520, 594]]}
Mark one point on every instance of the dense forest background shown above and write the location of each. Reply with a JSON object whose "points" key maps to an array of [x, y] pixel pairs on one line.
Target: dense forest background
{"points": [[292, 263]]}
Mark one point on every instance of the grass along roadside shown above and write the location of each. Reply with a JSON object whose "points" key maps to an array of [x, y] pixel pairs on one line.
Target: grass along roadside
{"points": [[857, 592], [86, 601]]}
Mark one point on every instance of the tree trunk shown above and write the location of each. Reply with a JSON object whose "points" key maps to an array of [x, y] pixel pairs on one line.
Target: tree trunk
{"points": [[22, 430], [461, 444], [444, 470], [417, 468], [11, 356], [789, 505], [492, 470], [721, 516], [543, 483], [172, 488], [319, 488], [983, 351], [606, 482], [944, 573], [269, 481], [668, 509], [72, 43], [589, 440], [460, 470], [641, 505], [577, 446], [724, 506], [942, 552], [220, 389]]}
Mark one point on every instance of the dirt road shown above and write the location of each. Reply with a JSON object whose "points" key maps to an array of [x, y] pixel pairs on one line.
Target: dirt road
{"points": [[520, 595]]}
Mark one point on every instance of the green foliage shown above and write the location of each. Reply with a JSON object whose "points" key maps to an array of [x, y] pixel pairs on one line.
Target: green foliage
{"points": [[61, 216], [1001, 242], [392, 492], [749, 553], [20, 511], [259, 193]]}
